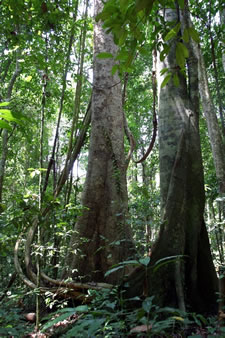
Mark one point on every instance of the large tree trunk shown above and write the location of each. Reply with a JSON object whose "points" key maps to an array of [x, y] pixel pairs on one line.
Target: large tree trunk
{"points": [[101, 235], [191, 281]]}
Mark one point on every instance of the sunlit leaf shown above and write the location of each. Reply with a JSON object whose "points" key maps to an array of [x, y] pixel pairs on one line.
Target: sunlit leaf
{"points": [[8, 116], [178, 318], [3, 104], [28, 78], [5, 125]]}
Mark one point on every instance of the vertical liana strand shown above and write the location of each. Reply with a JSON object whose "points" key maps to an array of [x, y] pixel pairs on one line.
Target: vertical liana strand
{"points": [[40, 192], [74, 127], [71, 40]]}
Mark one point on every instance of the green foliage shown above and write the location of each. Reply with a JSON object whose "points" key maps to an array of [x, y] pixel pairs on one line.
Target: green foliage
{"points": [[173, 32], [37, 38], [181, 54], [12, 321], [108, 316], [9, 116], [143, 261]]}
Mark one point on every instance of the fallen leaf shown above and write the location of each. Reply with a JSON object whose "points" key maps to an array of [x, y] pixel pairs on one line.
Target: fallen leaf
{"points": [[141, 328]]}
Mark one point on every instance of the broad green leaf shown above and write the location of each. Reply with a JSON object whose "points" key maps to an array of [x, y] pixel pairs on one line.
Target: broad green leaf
{"points": [[3, 104], [163, 71], [113, 270], [5, 125], [81, 308], [164, 52], [123, 55], [129, 60], [120, 266], [167, 260], [147, 304], [185, 50], [185, 35], [143, 51], [123, 37], [144, 261], [181, 3], [5, 111], [123, 5], [181, 54], [8, 116], [166, 80], [139, 36], [58, 319], [114, 69], [173, 32], [194, 34], [104, 55], [176, 80], [144, 5]]}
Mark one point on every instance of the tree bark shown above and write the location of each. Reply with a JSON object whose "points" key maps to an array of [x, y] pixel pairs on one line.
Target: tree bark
{"points": [[101, 235], [188, 282], [212, 125], [222, 22]]}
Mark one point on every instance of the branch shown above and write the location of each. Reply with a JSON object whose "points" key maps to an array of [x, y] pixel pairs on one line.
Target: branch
{"points": [[151, 143], [77, 147]]}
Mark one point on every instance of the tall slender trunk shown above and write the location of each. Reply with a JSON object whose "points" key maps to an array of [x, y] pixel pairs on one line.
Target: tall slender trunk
{"points": [[222, 22], [212, 123]]}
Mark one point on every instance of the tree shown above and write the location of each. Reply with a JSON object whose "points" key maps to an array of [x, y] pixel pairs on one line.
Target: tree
{"points": [[49, 32], [101, 235], [189, 281]]}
